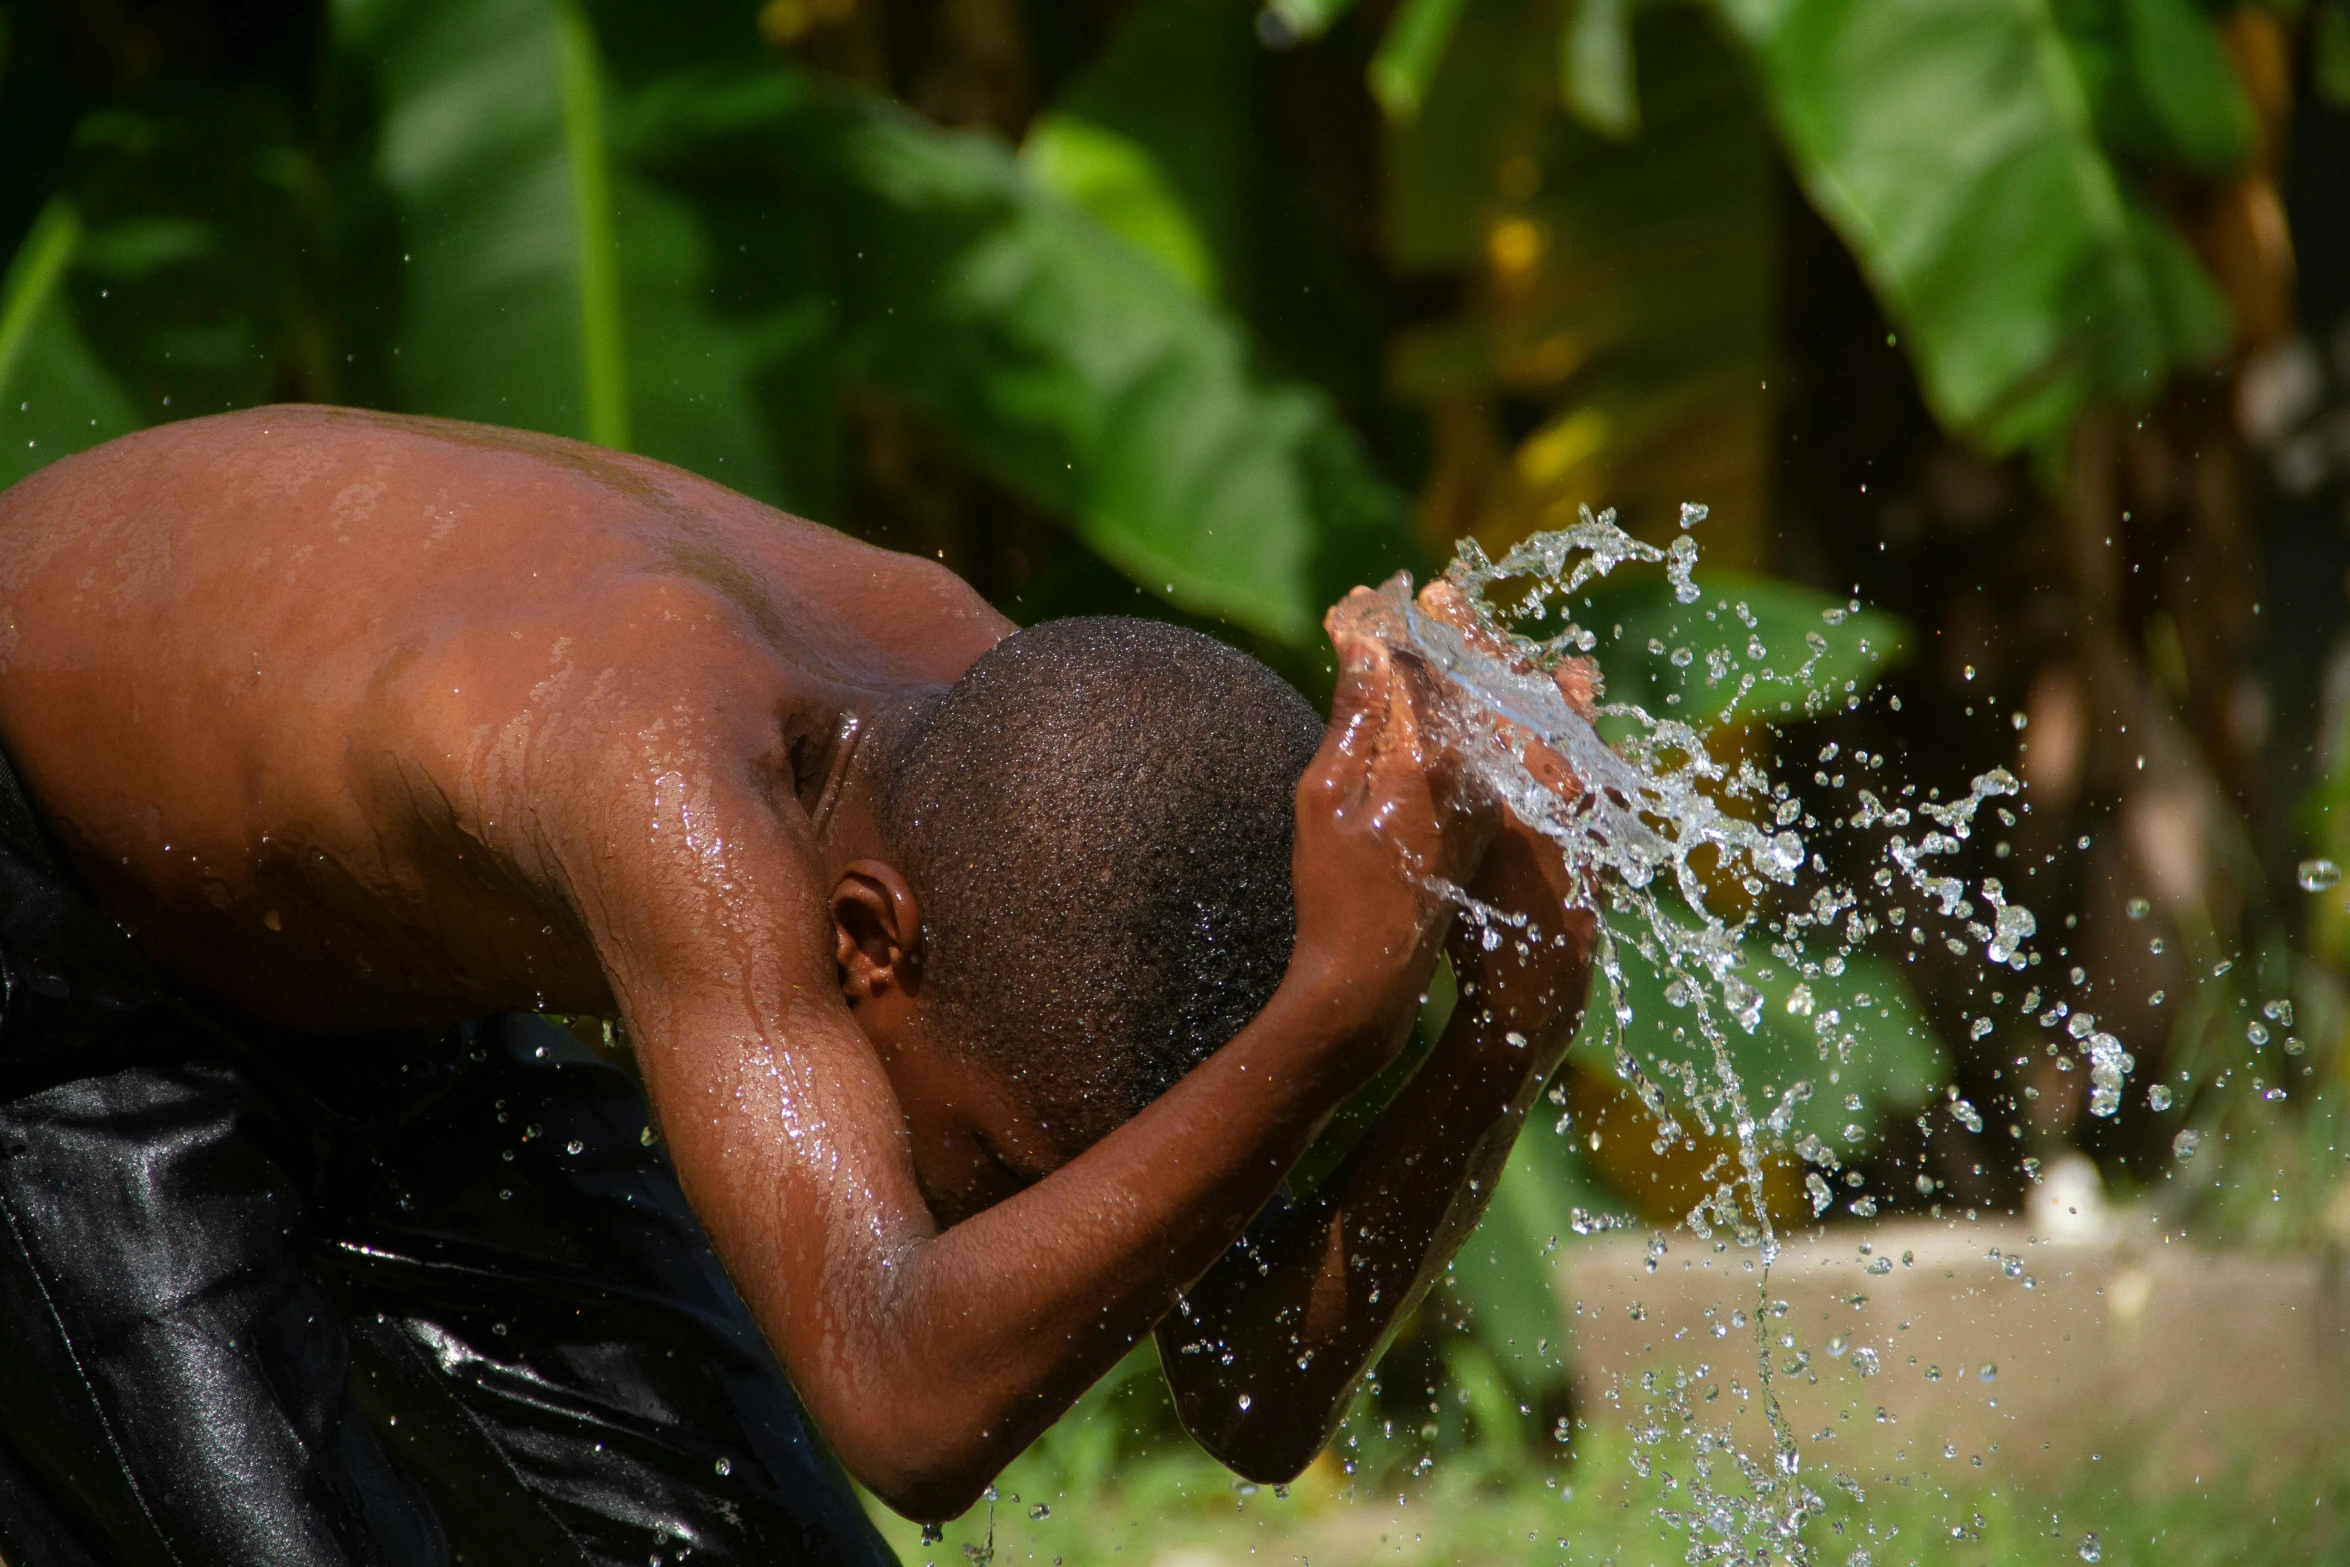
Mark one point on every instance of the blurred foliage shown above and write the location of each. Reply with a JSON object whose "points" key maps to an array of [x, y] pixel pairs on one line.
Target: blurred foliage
{"points": [[1411, 1480], [1209, 309]]}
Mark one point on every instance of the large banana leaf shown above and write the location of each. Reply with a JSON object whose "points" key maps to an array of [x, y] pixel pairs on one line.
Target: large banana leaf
{"points": [[1954, 145], [550, 284], [1059, 356], [1168, 138], [543, 287], [1179, 83], [1962, 148]]}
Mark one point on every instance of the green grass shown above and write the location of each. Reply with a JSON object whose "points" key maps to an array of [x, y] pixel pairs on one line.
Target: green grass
{"points": [[1118, 1487]]}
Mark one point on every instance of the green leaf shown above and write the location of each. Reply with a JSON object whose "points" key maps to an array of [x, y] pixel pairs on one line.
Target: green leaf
{"points": [[603, 371], [2157, 81], [1505, 1270], [1410, 53], [1863, 1024], [1301, 19], [1059, 357], [1951, 143], [1181, 81], [1595, 67], [544, 288], [1806, 662], [55, 397], [2176, 58], [139, 247], [1187, 84], [1116, 180], [2329, 54], [474, 141]]}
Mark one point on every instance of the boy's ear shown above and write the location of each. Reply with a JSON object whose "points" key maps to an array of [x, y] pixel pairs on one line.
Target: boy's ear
{"points": [[877, 929]]}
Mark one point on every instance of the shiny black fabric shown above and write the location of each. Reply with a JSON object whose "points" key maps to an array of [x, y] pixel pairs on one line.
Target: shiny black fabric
{"points": [[405, 1300]]}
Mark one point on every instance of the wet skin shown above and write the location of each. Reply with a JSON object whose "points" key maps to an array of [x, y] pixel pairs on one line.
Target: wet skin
{"points": [[359, 721]]}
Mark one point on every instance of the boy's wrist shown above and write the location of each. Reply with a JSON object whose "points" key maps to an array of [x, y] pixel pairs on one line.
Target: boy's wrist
{"points": [[1342, 1024]]}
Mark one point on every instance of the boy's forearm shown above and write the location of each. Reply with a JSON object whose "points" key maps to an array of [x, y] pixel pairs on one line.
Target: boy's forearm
{"points": [[1266, 1348], [993, 1327]]}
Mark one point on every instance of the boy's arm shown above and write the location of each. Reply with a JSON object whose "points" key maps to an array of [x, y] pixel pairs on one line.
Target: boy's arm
{"points": [[1266, 1349], [930, 1358]]}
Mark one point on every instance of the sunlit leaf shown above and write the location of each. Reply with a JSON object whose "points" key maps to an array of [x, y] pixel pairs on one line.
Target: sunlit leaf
{"points": [[1595, 67], [1116, 180], [543, 288], [1299, 19], [1953, 146], [1181, 82], [1057, 355], [1410, 53]]}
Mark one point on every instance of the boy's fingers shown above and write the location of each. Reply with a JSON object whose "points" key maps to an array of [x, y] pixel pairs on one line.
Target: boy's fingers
{"points": [[1360, 706], [1578, 681]]}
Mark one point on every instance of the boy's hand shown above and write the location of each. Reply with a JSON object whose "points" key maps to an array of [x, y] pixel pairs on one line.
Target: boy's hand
{"points": [[1532, 981], [1536, 974], [1382, 819]]}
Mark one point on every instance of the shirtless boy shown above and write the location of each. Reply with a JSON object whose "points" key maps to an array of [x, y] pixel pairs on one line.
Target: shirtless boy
{"points": [[984, 985]]}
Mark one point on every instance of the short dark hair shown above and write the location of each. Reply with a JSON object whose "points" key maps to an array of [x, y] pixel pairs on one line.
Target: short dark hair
{"points": [[1097, 819]]}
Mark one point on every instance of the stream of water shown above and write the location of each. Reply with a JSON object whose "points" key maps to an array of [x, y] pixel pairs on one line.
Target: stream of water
{"points": [[1660, 835]]}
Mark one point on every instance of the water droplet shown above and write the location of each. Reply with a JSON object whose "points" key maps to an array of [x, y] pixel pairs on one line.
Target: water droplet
{"points": [[2090, 1550], [2158, 1097], [575, 1146], [2183, 1146], [1040, 1512], [2139, 908], [1244, 1403], [2318, 875], [933, 1533], [725, 1467], [1989, 1373]]}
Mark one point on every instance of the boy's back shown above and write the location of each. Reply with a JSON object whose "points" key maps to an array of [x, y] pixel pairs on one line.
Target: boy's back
{"points": [[306, 689]]}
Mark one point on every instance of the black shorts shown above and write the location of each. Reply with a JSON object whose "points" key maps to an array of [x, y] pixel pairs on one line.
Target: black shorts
{"points": [[423, 1298]]}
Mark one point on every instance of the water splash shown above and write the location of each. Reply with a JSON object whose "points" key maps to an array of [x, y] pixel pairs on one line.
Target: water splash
{"points": [[1659, 832]]}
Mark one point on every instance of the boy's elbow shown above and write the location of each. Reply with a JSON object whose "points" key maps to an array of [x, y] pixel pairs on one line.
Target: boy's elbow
{"points": [[1268, 1457], [922, 1473], [1261, 1447], [927, 1495]]}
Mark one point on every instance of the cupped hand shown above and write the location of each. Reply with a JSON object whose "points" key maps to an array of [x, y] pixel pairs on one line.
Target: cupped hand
{"points": [[1527, 972], [1530, 969], [1385, 822]]}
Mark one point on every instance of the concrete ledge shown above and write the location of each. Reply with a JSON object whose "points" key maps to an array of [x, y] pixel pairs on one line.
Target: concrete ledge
{"points": [[2135, 1345]]}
